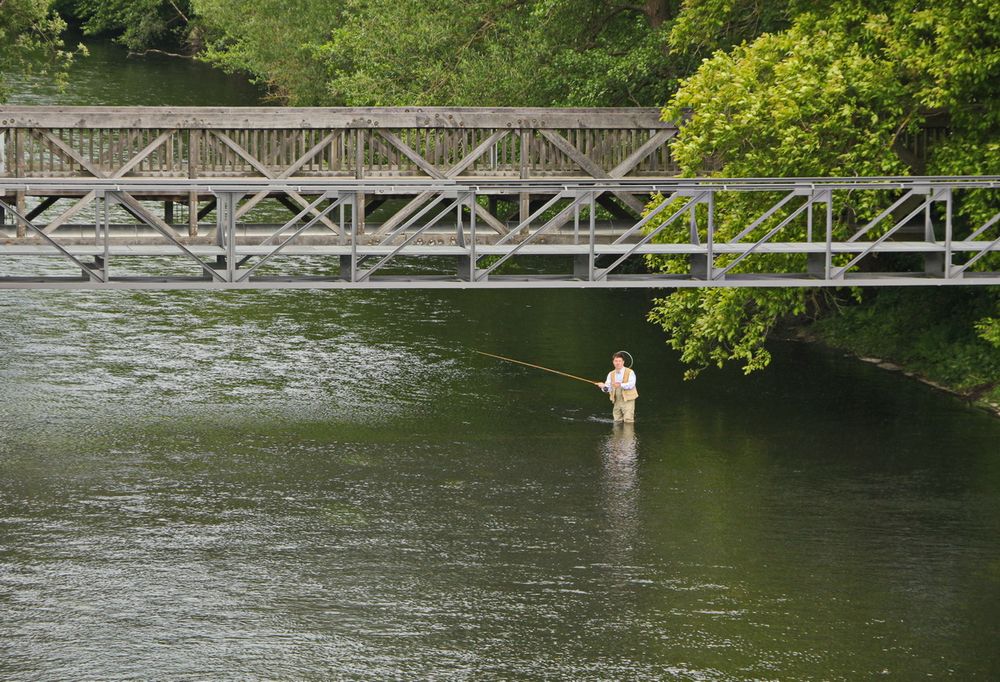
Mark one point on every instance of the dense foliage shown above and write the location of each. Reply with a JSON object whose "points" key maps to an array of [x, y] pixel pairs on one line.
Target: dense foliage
{"points": [[138, 24], [836, 93], [783, 88], [30, 40], [473, 52]]}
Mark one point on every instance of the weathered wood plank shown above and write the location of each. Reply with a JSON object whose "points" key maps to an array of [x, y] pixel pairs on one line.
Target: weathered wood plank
{"points": [[260, 118]]}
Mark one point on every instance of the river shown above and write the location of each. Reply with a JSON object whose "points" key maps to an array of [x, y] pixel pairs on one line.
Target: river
{"points": [[333, 485]]}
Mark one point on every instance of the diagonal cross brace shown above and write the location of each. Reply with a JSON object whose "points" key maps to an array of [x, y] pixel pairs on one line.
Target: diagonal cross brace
{"points": [[773, 231], [266, 172], [767, 214], [602, 274], [558, 219], [132, 205], [334, 204], [987, 249], [451, 173], [457, 202], [52, 242], [839, 272]]}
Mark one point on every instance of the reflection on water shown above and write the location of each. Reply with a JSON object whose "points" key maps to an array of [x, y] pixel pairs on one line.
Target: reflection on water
{"points": [[331, 484], [110, 76], [619, 458]]}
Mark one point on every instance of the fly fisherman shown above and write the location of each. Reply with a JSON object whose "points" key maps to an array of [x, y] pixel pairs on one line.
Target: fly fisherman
{"points": [[620, 387]]}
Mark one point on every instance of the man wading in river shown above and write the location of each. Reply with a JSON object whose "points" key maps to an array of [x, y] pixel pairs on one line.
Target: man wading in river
{"points": [[620, 387]]}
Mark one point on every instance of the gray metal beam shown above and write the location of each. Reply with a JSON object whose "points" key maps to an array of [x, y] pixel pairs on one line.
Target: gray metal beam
{"points": [[551, 230]]}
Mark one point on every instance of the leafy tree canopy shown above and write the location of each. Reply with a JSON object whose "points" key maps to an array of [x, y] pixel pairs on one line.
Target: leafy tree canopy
{"points": [[137, 24], [836, 93], [30, 40]]}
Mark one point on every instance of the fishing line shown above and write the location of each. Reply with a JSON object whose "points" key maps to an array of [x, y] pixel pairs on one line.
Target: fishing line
{"points": [[528, 364]]}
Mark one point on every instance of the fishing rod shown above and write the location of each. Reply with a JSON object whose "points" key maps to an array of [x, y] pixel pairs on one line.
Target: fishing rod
{"points": [[528, 364]]}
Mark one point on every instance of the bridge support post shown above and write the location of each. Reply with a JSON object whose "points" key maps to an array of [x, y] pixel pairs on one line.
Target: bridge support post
{"points": [[699, 265], [583, 267], [19, 204], [524, 198], [358, 209], [934, 264], [466, 265], [99, 264], [192, 214], [816, 265], [347, 268], [465, 268]]}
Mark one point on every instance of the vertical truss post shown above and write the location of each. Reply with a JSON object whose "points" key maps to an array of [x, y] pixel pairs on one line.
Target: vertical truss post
{"points": [[576, 224], [828, 261], [592, 214], [583, 267], [473, 258], [340, 235], [102, 228], [809, 219], [358, 222], [524, 198], [699, 262], [710, 240], [949, 268], [19, 203], [928, 225], [934, 262], [225, 230], [194, 153], [352, 271], [817, 264], [467, 263]]}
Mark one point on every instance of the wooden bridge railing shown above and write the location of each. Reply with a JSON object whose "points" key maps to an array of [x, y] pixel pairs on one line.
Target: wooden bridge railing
{"points": [[351, 143], [377, 143]]}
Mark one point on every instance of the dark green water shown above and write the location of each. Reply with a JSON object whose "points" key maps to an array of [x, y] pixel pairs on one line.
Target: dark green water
{"points": [[109, 76], [331, 485]]}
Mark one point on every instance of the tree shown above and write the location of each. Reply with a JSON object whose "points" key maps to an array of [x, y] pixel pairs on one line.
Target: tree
{"points": [[480, 52], [833, 94], [138, 24], [30, 41], [277, 42]]}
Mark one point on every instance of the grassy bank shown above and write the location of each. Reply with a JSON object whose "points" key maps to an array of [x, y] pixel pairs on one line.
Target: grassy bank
{"points": [[925, 331]]}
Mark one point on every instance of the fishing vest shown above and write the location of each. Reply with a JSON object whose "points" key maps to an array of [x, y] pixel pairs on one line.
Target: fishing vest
{"points": [[627, 394]]}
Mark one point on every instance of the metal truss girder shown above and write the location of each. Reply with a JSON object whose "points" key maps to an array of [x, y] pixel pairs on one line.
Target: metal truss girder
{"points": [[245, 275], [457, 202], [888, 233], [534, 235], [693, 201], [773, 231], [133, 206], [52, 242]]}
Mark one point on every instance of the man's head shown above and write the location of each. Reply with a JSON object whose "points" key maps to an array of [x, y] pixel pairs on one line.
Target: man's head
{"points": [[618, 360]]}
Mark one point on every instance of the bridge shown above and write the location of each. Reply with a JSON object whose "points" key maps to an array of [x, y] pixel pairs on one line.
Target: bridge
{"points": [[428, 197]]}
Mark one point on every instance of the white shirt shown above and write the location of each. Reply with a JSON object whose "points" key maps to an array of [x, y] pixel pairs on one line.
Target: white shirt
{"points": [[618, 375]]}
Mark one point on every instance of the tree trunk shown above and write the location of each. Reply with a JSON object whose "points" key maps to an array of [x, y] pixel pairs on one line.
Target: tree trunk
{"points": [[658, 11]]}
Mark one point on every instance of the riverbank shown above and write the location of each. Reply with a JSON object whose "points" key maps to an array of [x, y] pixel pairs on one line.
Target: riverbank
{"points": [[923, 334]]}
